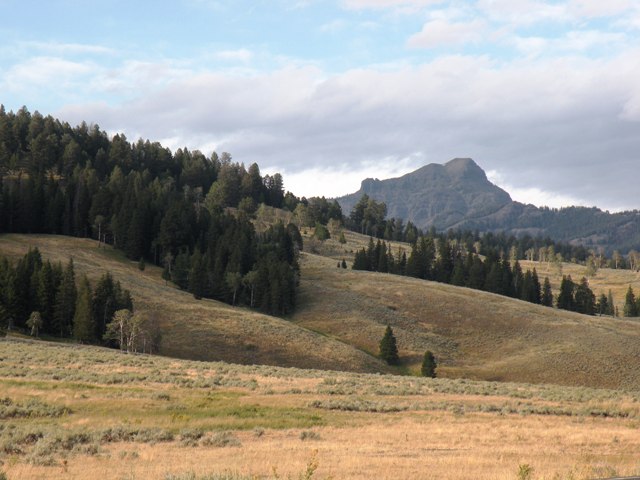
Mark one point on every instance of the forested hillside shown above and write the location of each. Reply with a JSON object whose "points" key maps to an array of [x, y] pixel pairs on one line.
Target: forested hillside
{"points": [[183, 210]]}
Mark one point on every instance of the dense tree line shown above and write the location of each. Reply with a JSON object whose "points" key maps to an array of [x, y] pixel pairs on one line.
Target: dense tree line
{"points": [[369, 217], [66, 306], [441, 260], [183, 210]]}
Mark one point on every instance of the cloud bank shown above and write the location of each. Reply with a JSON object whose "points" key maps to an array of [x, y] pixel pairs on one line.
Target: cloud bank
{"points": [[555, 115]]}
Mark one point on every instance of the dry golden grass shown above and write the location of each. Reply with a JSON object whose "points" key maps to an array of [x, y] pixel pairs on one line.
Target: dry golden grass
{"points": [[198, 329], [474, 334], [604, 279], [332, 247], [450, 429], [429, 446]]}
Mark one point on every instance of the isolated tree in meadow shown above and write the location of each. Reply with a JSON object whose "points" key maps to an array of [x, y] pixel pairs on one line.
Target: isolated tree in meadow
{"points": [[34, 323], [630, 308], [389, 347], [429, 365]]}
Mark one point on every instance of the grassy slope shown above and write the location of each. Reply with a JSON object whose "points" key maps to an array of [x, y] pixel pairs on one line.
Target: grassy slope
{"points": [[205, 329], [474, 334]]}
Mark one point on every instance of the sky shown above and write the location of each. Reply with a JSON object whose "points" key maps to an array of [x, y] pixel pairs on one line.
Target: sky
{"points": [[543, 95]]}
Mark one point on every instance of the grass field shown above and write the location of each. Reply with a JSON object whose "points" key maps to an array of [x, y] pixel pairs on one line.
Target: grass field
{"points": [[199, 329], [73, 412], [341, 316], [474, 334], [80, 412]]}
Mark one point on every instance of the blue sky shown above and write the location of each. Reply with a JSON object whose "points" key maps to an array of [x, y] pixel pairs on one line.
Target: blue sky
{"points": [[545, 95]]}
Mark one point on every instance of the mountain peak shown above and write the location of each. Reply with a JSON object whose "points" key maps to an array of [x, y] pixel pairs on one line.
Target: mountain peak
{"points": [[464, 167], [435, 195]]}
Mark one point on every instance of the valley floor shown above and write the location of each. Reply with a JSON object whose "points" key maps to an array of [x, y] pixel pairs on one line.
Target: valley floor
{"points": [[85, 413]]}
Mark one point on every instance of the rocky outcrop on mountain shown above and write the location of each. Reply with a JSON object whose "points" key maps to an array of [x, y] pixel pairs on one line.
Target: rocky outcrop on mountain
{"points": [[459, 195]]}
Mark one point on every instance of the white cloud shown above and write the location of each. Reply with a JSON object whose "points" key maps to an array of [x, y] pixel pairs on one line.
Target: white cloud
{"points": [[336, 181], [534, 195], [441, 32], [599, 8], [66, 49], [522, 12], [333, 26], [44, 72], [572, 42], [240, 55], [538, 123], [398, 5]]}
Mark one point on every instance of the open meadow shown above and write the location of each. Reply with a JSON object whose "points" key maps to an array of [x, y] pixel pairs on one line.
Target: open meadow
{"points": [[74, 412], [525, 392]]}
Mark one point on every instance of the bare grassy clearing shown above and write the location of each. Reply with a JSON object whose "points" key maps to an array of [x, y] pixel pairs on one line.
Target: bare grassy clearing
{"points": [[193, 417], [474, 334]]}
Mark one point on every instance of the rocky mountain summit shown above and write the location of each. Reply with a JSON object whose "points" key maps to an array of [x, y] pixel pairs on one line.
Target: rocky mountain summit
{"points": [[459, 195]]}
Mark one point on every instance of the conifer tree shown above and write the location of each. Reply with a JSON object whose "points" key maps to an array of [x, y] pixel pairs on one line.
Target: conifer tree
{"points": [[602, 306], [612, 307], [181, 269], [585, 300], [84, 328], [630, 308], [361, 260], [566, 299], [477, 271], [65, 302], [197, 275], [547, 294], [536, 289], [429, 365], [389, 347], [520, 289], [459, 274], [46, 293]]}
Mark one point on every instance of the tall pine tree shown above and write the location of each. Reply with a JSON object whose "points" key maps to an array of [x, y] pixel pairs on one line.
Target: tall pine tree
{"points": [[65, 306], [389, 347], [83, 321]]}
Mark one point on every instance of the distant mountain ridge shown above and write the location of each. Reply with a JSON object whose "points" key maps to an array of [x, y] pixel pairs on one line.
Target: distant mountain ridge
{"points": [[459, 195]]}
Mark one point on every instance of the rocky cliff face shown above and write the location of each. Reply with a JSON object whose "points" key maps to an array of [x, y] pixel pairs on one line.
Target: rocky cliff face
{"points": [[459, 195], [435, 195]]}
